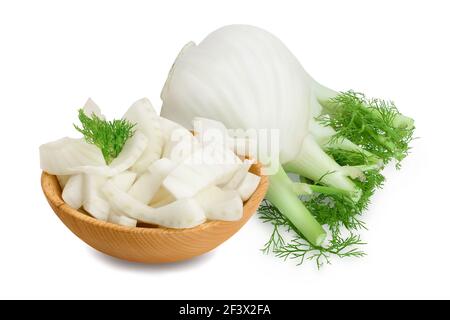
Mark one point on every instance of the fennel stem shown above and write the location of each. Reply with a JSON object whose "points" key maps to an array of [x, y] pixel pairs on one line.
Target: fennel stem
{"points": [[281, 195], [299, 187], [313, 163]]}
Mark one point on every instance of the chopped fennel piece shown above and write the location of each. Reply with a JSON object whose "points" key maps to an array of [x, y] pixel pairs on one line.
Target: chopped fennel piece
{"points": [[206, 167], [161, 198], [62, 180], [146, 186], [68, 156], [142, 114], [124, 180], [185, 182], [212, 131], [220, 204], [172, 131], [122, 220], [238, 176], [162, 167], [248, 185], [72, 193], [181, 147], [91, 108], [185, 213], [93, 199]]}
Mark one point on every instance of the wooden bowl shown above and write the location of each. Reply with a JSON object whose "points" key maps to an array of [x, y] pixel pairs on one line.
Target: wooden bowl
{"points": [[148, 244]]}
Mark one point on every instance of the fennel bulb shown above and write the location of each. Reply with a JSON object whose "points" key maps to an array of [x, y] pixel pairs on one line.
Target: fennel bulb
{"points": [[246, 78]]}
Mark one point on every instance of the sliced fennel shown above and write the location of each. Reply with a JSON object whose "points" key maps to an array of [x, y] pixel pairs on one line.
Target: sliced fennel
{"points": [[171, 131], [124, 180], [220, 204], [143, 115], [212, 131], [119, 173], [93, 198], [248, 185], [211, 165], [167, 216], [161, 198], [179, 143], [122, 220], [69, 156], [72, 193], [238, 176], [62, 180], [185, 182], [90, 108], [146, 186]]}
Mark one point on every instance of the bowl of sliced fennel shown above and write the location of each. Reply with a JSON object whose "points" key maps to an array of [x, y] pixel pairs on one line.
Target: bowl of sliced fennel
{"points": [[145, 189]]}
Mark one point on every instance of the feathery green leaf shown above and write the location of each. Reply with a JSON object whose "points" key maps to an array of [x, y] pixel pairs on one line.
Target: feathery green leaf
{"points": [[373, 124], [108, 136]]}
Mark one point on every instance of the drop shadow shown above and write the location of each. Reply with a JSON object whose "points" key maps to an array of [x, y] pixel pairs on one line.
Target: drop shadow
{"points": [[124, 265]]}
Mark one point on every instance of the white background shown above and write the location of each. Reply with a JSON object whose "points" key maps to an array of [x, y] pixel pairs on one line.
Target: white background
{"points": [[56, 54]]}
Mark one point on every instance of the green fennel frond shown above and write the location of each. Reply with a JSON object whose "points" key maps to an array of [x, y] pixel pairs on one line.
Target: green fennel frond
{"points": [[338, 211], [350, 158], [373, 180], [373, 124], [270, 214], [108, 136], [335, 211], [298, 248], [342, 247]]}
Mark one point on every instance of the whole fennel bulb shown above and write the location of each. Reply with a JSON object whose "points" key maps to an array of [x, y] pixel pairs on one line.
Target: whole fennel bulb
{"points": [[231, 69], [246, 78]]}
